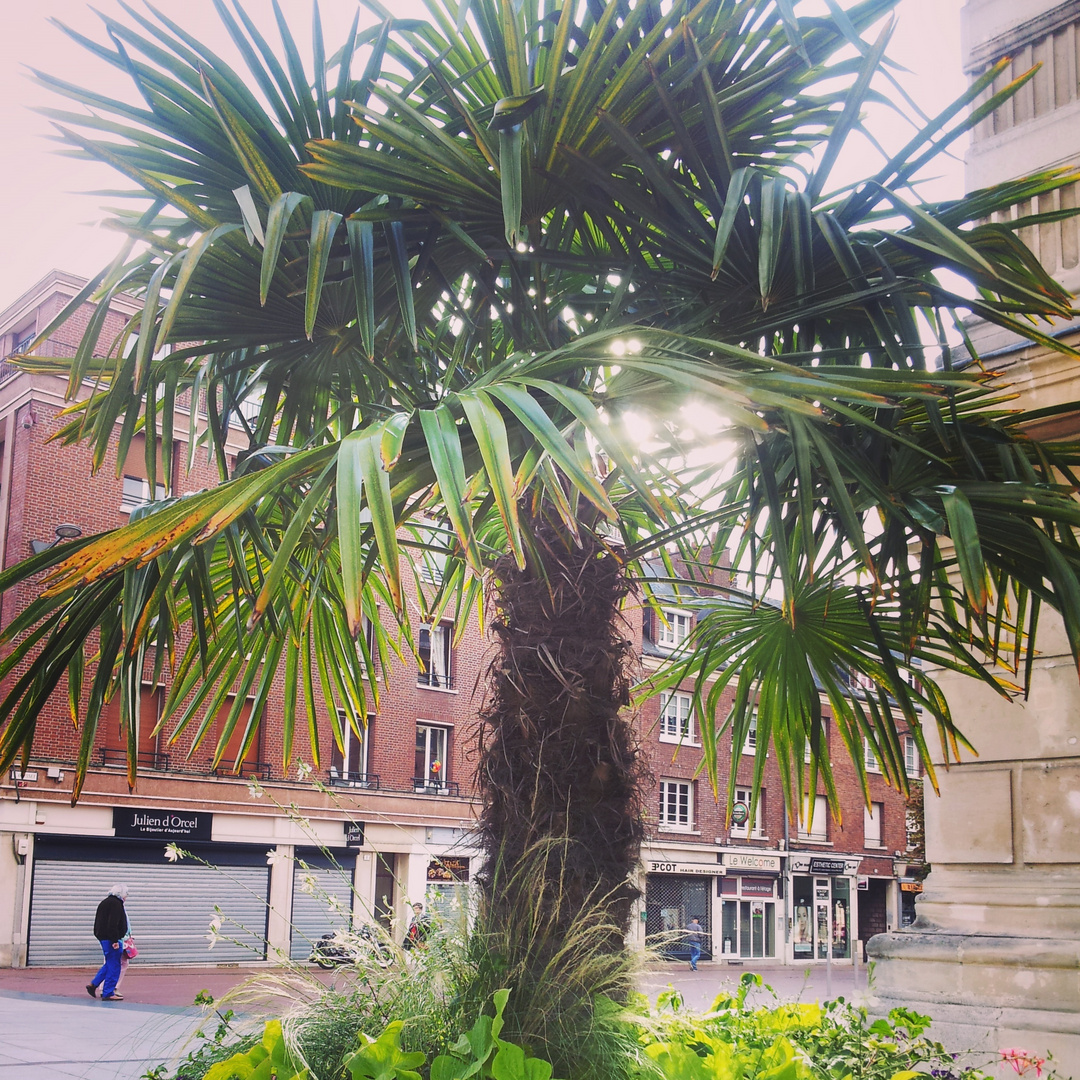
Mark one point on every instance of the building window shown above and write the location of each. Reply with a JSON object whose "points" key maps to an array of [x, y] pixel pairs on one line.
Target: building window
{"points": [[432, 540], [869, 757], [743, 829], [750, 746], [430, 768], [911, 757], [872, 824], [676, 718], [21, 340], [367, 646], [674, 628], [348, 764], [137, 493], [434, 649], [808, 749], [676, 805], [818, 828]]}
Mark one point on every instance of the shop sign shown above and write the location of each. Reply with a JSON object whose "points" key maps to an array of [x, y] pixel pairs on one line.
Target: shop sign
{"points": [[827, 866], [739, 813], [655, 867], [757, 886], [354, 834], [134, 824], [911, 886], [449, 868], [862, 883], [737, 860]]}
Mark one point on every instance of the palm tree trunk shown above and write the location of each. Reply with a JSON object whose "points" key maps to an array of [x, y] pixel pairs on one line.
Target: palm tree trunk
{"points": [[560, 771]]}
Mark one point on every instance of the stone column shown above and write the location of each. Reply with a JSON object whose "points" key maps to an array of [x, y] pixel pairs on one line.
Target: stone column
{"points": [[994, 954]]}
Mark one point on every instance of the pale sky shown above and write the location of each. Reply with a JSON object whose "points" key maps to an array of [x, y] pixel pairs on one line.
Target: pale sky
{"points": [[48, 221]]}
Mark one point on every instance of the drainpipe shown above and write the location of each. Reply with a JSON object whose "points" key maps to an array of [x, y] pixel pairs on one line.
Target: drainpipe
{"points": [[788, 883]]}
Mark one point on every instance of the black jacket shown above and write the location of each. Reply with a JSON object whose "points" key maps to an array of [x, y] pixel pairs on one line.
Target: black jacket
{"points": [[110, 922]]}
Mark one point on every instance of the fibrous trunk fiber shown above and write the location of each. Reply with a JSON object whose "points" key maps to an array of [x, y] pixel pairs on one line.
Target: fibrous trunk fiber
{"points": [[560, 771]]}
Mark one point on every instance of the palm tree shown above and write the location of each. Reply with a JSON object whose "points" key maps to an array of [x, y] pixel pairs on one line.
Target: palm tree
{"points": [[463, 284]]}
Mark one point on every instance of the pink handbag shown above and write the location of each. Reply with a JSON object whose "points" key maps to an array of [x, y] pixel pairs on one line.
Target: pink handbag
{"points": [[129, 949]]}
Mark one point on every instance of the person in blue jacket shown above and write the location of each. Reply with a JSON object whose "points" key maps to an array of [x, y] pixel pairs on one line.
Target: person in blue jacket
{"points": [[110, 928]]}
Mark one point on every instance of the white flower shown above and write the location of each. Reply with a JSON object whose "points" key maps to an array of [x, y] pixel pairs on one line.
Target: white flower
{"points": [[215, 928], [255, 789], [308, 883], [174, 853], [303, 770], [275, 856]]}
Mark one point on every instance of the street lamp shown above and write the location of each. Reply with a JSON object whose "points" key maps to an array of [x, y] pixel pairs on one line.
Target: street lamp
{"points": [[63, 532]]}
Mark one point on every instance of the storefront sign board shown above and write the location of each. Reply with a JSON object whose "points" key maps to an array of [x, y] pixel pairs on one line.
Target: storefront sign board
{"points": [[354, 834], [154, 824], [757, 886], [449, 868], [827, 867], [738, 860], [657, 867]]}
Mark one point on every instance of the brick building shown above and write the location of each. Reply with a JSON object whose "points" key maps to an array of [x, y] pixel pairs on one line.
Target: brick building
{"points": [[762, 888], [390, 820]]}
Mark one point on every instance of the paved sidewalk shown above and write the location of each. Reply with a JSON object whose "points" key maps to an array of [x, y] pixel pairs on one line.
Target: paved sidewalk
{"points": [[700, 988], [143, 984], [51, 1030], [49, 1038]]}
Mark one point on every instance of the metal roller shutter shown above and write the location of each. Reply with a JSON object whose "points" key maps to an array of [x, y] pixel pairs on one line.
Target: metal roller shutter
{"points": [[313, 912], [169, 906]]}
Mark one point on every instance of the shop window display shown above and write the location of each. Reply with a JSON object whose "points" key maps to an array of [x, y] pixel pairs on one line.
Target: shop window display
{"points": [[821, 917]]}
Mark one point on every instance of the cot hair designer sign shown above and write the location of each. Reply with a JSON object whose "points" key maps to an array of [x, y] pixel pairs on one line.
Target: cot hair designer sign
{"points": [[154, 824]]}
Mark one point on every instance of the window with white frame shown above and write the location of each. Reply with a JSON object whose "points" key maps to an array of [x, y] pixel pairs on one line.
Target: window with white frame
{"points": [[911, 757], [816, 828], [872, 816], [674, 627], [808, 749], [744, 829], [677, 805], [432, 742], [750, 746], [432, 538], [367, 646], [137, 492], [348, 762], [676, 718], [434, 648], [869, 757]]}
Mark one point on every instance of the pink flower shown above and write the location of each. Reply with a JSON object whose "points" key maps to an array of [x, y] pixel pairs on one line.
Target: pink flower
{"points": [[1022, 1060]]}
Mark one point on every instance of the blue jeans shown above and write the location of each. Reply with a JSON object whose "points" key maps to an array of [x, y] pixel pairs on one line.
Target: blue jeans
{"points": [[109, 972], [695, 954]]}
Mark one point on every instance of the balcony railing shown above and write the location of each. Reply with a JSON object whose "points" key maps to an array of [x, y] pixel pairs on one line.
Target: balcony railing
{"points": [[118, 758], [440, 681], [249, 770], [423, 786], [345, 778]]}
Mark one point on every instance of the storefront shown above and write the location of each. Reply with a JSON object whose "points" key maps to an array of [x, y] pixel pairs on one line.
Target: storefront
{"points": [[215, 887], [677, 892], [172, 906], [749, 894], [910, 888], [448, 888], [323, 897], [824, 907]]}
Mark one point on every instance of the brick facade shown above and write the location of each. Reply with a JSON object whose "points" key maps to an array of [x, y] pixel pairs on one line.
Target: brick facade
{"points": [[43, 484]]}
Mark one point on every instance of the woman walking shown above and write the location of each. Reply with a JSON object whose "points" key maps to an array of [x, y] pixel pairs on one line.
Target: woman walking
{"points": [[110, 928]]}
